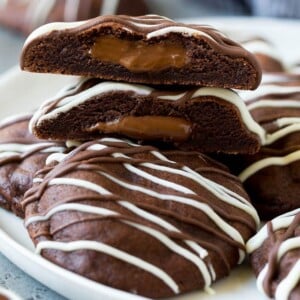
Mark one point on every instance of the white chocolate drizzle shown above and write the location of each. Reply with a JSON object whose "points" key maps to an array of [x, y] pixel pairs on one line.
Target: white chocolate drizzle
{"points": [[176, 248], [109, 250], [286, 285], [267, 162], [69, 102], [269, 89], [274, 103], [281, 222], [281, 122]]}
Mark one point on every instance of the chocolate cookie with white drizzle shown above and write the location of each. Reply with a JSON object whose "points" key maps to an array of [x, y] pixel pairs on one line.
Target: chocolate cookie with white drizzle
{"points": [[21, 155], [153, 223], [275, 257], [272, 176], [148, 49], [202, 119]]}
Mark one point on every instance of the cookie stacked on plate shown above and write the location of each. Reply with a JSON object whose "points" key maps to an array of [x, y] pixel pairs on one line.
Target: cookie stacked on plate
{"points": [[150, 215], [271, 176]]}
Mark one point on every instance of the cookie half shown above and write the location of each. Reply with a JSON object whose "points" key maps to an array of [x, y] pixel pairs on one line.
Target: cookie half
{"points": [[275, 257], [152, 223], [149, 49], [203, 119], [21, 155]]}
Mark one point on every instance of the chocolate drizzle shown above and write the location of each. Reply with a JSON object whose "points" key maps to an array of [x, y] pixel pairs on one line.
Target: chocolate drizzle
{"points": [[154, 192]]}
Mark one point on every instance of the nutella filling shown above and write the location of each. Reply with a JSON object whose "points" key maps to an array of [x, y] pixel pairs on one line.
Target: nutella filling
{"points": [[148, 128], [138, 56]]}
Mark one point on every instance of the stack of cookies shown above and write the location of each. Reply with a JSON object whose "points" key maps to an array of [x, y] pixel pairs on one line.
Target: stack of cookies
{"points": [[188, 70], [135, 204]]}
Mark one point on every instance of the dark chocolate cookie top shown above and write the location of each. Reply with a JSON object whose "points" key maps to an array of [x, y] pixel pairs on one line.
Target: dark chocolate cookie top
{"points": [[148, 28], [177, 219]]}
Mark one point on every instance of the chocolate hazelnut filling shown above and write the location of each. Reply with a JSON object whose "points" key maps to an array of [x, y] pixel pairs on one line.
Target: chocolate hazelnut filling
{"points": [[148, 128], [139, 56]]}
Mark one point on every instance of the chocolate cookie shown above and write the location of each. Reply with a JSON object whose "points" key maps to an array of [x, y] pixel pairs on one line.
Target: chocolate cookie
{"points": [[203, 119], [151, 223], [266, 54], [27, 15], [21, 155], [272, 176], [148, 49], [275, 257]]}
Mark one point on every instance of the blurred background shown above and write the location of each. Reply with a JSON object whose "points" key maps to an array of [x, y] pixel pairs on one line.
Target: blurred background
{"points": [[19, 17]]}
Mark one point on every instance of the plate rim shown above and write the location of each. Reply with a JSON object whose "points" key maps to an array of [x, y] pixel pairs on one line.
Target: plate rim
{"points": [[8, 243]]}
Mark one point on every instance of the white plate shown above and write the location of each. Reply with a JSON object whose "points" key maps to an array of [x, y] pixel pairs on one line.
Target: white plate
{"points": [[23, 92], [8, 294]]}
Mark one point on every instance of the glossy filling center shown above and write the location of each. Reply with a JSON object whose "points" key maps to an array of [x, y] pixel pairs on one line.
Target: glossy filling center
{"points": [[138, 56], [148, 128]]}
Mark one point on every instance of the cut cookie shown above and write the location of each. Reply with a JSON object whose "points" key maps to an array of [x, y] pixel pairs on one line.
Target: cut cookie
{"points": [[27, 15], [152, 223], [21, 155], [275, 257], [203, 119], [149, 49]]}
